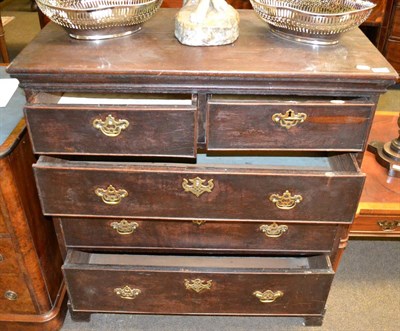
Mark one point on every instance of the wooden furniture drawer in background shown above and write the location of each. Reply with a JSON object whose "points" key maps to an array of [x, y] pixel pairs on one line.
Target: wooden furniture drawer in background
{"points": [[141, 130], [379, 208], [377, 225], [197, 284], [393, 53], [396, 22], [291, 188], [218, 236], [15, 297], [389, 42], [8, 257], [257, 124], [32, 290]]}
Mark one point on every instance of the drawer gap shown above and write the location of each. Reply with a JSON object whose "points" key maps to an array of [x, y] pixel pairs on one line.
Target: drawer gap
{"points": [[216, 263], [114, 99], [295, 99]]}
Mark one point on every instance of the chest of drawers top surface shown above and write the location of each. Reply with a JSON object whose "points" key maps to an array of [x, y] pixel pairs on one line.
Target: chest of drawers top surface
{"points": [[154, 59]]}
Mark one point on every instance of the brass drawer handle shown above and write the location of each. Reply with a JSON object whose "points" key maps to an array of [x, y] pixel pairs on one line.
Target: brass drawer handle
{"points": [[286, 200], [198, 285], [111, 196], [273, 230], [110, 126], [289, 119], [124, 227], [127, 292], [267, 296], [199, 222], [1, 258], [388, 226], [197, 186], [11, 295]]}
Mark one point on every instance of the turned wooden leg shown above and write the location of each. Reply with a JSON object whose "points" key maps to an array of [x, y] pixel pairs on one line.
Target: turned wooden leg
{"points": [[78, 316]]}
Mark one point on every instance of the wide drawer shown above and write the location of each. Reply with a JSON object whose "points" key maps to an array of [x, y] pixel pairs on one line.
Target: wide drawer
{"points": [[219, 236], [230, 188], [8, 258], [258, 124], [103, 129], [14, 295], [197, 284]]}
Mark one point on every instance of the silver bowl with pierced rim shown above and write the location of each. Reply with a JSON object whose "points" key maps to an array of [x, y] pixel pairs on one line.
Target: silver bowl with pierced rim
{"points": [[318, 22], [99, 19]]}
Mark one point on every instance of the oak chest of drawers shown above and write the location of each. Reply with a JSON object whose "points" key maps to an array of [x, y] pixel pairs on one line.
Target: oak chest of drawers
{"points": [[180, 176]]}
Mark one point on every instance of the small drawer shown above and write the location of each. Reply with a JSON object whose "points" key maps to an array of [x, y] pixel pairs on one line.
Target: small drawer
{"points": [[216, 188], [261, 124], [152, 127], [218, 237], [8, 258], [14, 295], [197, 284], [379, 225]]}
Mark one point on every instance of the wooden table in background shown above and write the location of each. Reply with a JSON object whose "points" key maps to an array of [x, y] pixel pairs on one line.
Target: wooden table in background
{"points": [[379, 208]]}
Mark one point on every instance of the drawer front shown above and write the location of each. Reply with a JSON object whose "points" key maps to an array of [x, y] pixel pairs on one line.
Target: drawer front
{"points": [[135, 132], [8, 259], [207, 194], [207, 289], [14, 295], [384, 225], [246, 237], [280, 126]]}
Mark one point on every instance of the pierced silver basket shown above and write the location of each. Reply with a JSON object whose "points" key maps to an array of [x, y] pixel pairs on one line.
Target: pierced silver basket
{"points": [[99, 19], [318, 22]]}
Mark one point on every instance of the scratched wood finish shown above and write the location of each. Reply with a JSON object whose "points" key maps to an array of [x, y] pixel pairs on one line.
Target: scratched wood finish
{"points": [[249, 125], [155, 191], [259, 65], [162, 131], [278, 66], [231, 293], [186, 236]]}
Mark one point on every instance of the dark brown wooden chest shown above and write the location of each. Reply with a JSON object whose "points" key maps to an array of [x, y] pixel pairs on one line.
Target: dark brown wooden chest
{"points": [[178, 175]]}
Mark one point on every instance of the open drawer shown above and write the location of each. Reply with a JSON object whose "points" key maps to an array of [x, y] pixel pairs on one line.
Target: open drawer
{"points": [[197, 284], [113, 125], [306, 188], [288, 123]]}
